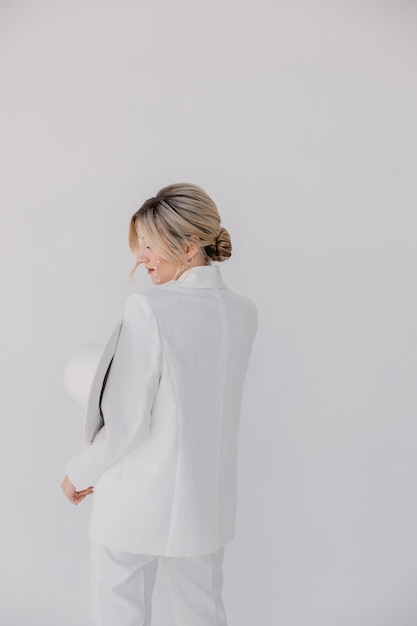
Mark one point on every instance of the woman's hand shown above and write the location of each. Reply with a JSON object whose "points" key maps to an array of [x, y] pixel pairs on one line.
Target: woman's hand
{"points": [[75, 497]]}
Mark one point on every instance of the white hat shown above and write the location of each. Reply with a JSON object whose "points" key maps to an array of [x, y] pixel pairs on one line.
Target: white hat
{"points": [[85, 378]]}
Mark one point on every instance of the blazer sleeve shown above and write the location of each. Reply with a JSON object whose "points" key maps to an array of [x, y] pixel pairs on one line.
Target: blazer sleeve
{"points": [[128, 396]]}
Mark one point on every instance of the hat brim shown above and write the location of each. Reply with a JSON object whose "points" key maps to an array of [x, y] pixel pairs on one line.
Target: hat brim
{"points": [[93, 416]]}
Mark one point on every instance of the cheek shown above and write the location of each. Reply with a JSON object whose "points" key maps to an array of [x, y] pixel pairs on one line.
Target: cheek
{"points": [[155, 261], [166, 269]]}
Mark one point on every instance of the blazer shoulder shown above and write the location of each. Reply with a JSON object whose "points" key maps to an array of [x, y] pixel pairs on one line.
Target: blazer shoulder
{"points": [[139, 305], [148, 296], [151, 302], [246, 303]]}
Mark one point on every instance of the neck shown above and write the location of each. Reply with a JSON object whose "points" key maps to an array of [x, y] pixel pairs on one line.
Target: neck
{"points": [[185, 268]]}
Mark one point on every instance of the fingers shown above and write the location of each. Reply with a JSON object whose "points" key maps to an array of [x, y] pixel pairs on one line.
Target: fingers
{"points": [[85, 492], [79, 496], [74, 496]]}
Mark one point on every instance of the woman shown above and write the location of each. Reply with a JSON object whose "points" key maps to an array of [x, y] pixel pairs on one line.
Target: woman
{"points": [[164, 464]]}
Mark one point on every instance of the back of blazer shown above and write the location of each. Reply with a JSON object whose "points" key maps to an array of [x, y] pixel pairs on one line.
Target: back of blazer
{"points": [[164, 465]]}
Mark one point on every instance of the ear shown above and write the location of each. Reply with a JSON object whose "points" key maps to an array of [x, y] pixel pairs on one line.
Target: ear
{"points": [[191, 250]]}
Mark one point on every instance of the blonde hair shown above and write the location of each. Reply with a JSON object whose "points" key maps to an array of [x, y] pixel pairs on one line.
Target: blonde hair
{"points": [[180, 214]]}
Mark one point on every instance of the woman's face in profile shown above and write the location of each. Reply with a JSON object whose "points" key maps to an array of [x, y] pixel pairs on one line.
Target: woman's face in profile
{"points": [[160, 270]]}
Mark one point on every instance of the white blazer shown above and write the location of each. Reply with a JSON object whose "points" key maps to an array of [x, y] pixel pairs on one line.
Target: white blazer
{"points": [[164, 464]]}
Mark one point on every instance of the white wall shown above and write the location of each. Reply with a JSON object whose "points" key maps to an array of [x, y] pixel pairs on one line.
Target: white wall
{"points": [[299, 118]]}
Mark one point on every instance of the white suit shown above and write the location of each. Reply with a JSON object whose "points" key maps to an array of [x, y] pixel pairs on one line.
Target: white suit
{"points": [[164, 464]]}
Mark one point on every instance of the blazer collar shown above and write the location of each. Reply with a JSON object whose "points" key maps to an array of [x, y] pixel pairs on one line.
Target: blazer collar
{"points": [[200, 276]]}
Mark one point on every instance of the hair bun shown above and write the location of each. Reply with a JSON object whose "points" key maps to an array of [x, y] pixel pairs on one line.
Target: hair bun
{"points": [[222, 248]]}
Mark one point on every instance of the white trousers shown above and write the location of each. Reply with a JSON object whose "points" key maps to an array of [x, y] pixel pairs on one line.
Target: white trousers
{"points": [[122, 584]]}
